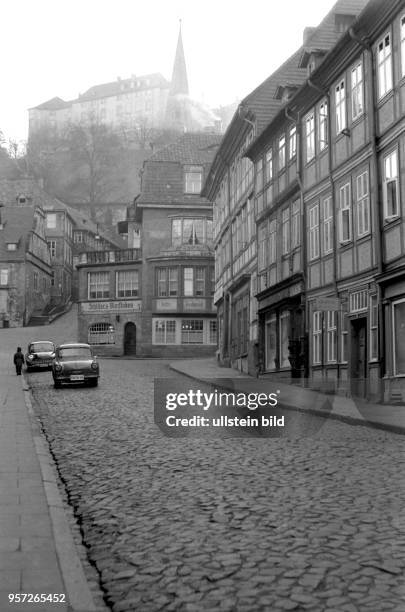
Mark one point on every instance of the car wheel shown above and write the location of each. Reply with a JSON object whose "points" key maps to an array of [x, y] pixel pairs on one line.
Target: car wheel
{"points": [[93, 382], [57, 384]]}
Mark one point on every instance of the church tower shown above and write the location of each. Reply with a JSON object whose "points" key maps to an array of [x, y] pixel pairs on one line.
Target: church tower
{"points": [[179, 84]]}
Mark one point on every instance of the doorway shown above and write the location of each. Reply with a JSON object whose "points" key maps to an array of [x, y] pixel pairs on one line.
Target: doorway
{"points": [[130, 339], [358, 363]]}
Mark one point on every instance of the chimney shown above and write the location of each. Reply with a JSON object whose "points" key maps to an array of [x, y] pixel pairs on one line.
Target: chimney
{"points": [[307, 34]]}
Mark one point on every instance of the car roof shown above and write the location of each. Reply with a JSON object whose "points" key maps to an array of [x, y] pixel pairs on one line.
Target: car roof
{"points": [[74, 345], [41, 342]]}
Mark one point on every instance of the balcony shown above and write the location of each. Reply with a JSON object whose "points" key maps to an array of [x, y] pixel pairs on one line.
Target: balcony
{"points": [[109, 257]]}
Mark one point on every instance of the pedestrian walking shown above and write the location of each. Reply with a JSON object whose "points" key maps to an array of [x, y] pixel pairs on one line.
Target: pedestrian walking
{"points": [[18, 360]]}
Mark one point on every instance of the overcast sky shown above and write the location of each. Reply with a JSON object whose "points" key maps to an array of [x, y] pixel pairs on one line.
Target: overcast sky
{"points": [[62, 47]]}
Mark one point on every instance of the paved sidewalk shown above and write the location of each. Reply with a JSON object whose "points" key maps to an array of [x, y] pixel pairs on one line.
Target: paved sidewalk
{"points": [[37, 553], [293, 397]]}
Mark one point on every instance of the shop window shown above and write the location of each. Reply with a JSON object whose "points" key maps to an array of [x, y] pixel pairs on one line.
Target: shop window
{"points": [[398, 309], [165, 331], [192, 331], [101, 333]]}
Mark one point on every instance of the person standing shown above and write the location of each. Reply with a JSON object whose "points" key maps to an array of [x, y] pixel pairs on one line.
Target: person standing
{"points": [[18, 360]]}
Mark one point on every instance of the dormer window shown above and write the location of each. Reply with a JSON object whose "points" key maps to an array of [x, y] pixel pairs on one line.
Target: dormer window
{"points": [[51, 220], [193, 179], [21, 199], [343, 22], [11, 246]]}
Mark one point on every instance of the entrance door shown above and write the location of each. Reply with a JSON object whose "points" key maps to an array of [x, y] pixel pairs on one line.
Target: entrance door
{"points": [[358, 368], [130, 339]]}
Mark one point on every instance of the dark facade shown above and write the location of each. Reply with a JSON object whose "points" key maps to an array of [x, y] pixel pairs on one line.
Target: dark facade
{"points": [[178, 316]]}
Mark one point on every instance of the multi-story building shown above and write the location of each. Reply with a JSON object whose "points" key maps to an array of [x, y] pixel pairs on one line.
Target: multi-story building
{"points": [[331, 281], [130, 105], [178, 316], [244, 195], [25, 267], [59, 235], [110, 306]]}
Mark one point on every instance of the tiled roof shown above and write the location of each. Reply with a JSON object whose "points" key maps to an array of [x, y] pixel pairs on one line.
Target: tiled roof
{"points": [[17, 222], [163, 173], [189, 149], [53, 104], [10, 189]]}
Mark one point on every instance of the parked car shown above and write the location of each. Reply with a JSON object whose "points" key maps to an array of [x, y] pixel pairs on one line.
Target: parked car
{"points": [[75, 363], [40, 354]]}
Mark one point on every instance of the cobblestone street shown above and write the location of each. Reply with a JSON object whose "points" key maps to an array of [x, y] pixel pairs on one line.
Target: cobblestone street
{"points": [[243, 524]]}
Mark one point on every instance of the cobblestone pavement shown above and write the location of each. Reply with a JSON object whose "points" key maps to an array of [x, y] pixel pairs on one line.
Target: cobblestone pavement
{"points": [[247, 524]]}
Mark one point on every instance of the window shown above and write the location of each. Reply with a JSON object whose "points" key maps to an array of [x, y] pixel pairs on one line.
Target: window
{"points": [[314, 232], [316, 337], [127, 283], [51, 220], [390, 186], [101, 333], [373, 328], [192, 331], [310, 137], [78, 237], [284, 323], [35, 281], [52, 247], [199, 281], [363, 205], [193, 179], [398, 329], [295, 224], [213, 332], [173, 282], [384, 66], [344, 335], [165, 331], [281, 152], [98, 285], [259, 175], [403, 45], [340, 107], [323, 125], [269, 165], [327, 226], [188, 288], [191, 231], [11, 246], [272, 241], [331, 335], [292, 144], [345, 214], [271, 343], [4, 276], [357, 91], [285, 231], [262, 247], [161, 281]]}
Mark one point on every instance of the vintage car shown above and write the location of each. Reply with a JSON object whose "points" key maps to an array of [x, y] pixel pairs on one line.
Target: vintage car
{"points": [[40, 354], [75, 363]]}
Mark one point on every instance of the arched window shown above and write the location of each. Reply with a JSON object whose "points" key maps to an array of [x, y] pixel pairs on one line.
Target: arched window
{"points": [[101, 333]]}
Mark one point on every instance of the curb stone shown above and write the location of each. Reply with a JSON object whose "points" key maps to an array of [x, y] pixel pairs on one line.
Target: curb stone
{"points": [[77, 589]]}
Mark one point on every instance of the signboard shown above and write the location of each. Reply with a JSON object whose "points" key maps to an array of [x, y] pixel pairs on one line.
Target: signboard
{"points": [[194, 304], [114, 306], [327, 303], [170, 304], [218, 294]]}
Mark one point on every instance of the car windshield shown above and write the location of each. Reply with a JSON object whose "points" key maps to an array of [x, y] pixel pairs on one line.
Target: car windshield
{"points": [[75, 351], [41, 347]]}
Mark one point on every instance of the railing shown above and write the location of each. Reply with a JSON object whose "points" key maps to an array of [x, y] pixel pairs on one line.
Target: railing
{"points": [[104, 257]]}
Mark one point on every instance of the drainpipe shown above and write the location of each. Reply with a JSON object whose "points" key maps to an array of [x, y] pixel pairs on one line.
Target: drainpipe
{"points": [[305, 324], [326, 93], [375, 174]]}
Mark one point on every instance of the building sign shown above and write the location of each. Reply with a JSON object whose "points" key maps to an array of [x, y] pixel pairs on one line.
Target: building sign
{"points": [[327, 303], [170, 304], [118, 306], [218, 294], [193, 304]]}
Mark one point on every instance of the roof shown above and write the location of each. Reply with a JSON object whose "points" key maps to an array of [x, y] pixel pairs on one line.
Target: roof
{"points": [[18, 222], [179, 83], [53, 104], [262, 104], [163, 173], [10, 189], [190, 148]]}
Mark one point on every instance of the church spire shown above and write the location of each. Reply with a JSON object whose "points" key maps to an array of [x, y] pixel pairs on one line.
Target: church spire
{"points": [[179, 84]]}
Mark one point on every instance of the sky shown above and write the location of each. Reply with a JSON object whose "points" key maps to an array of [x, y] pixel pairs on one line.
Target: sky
{"points": [[62, 47]]}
